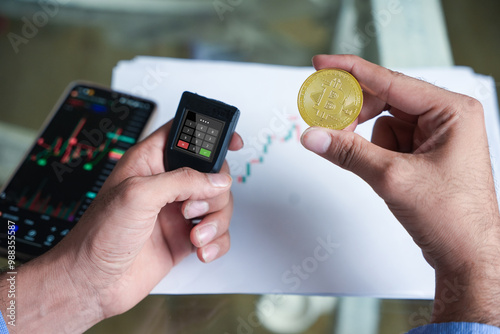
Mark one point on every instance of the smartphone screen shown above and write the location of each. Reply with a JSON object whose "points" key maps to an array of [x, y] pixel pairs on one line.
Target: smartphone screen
{"points": [[62, 173]]}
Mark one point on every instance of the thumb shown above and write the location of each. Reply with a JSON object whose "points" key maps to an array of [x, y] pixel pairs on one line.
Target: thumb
{"points": [[350, 151], [156, 191]]}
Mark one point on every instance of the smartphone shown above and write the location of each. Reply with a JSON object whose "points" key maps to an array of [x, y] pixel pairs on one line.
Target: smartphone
{"points": [[80, 143]]}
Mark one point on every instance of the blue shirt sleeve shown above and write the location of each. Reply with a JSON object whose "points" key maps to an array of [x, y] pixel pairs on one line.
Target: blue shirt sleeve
{"points": [[3, 325], [456, 327]]}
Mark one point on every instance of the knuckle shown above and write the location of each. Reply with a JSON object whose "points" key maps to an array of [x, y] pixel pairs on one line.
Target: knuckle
{"points": [[472, 103], [186, 174], [467, 109], [473, 106], [396, 179], [226, 241], [129, 189], [133, 153], [349, 148], [392, 174], [396, 74], [385, 92], [353, 58], [466, 104], [189, 182], [134, 158]]}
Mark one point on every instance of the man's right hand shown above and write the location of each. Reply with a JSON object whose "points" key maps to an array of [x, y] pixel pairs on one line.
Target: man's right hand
{"points": [[430, 163]]}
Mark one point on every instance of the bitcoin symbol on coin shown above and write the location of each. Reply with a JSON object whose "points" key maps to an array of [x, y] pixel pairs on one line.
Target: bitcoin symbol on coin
{"points": [[331, 98]]}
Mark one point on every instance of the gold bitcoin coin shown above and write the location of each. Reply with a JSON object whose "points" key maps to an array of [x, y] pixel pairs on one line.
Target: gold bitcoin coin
{"points": [[331, 98]]}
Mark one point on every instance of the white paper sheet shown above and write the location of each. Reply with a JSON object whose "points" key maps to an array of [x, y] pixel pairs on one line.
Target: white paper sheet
{"points": [[301, 225]]}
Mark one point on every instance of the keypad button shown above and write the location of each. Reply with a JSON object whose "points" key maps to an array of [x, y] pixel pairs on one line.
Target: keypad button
{"points": [[212, 132], [210, 139], [205, 152], [196, 141], [185, 137], [201, 127], [194, 148], [182, 144], [189, 123], [188, 131], [199, 135], [208, 146]]}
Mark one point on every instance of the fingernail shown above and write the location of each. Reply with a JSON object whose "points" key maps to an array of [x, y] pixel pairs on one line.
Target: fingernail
{"points": [[220, 180], [312, 60], [206, 233], [209, 253], [316, 139], [195, 209]]}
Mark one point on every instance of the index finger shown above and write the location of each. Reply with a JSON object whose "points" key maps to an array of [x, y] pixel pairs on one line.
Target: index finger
{"points": [[413, 96]]}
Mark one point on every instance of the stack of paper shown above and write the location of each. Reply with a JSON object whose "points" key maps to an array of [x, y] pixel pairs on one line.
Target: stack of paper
{"points": [[301, 225]]}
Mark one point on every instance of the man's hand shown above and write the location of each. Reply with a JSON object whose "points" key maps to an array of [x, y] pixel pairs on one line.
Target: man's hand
{"points": [[431, 165], [137, 228]]}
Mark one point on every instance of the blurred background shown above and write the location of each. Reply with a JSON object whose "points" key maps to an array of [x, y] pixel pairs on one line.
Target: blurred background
{"points": [[45, 44]]}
